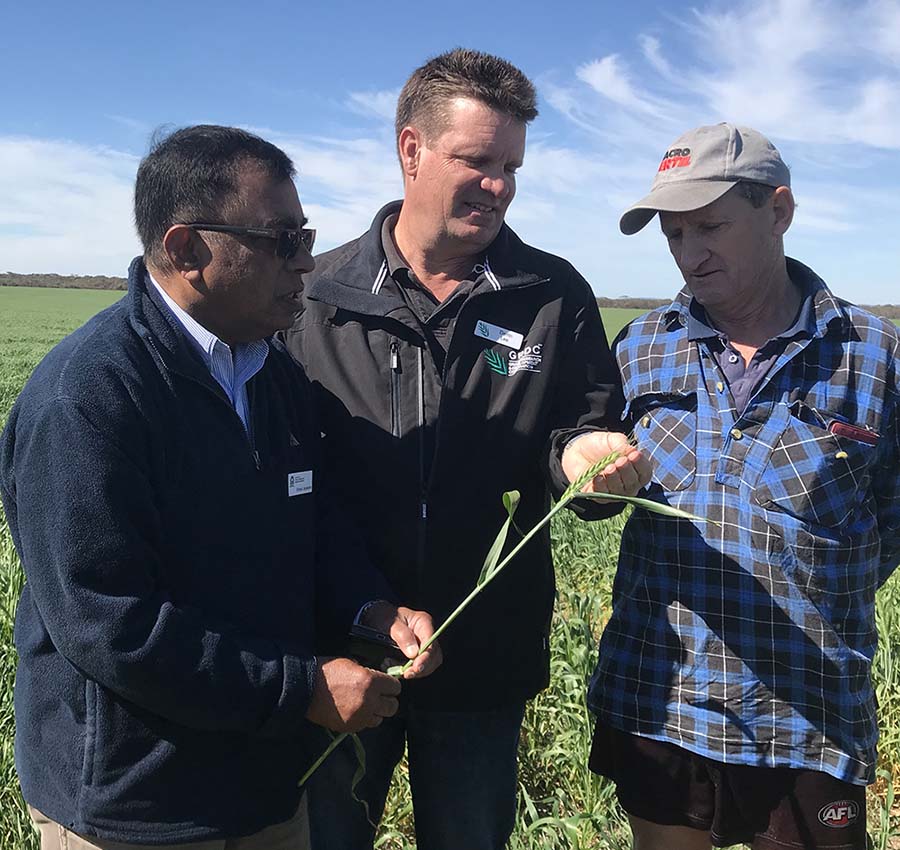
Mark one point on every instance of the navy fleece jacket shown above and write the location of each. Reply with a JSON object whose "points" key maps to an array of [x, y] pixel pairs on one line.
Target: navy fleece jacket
{"points": [[176, 583]]}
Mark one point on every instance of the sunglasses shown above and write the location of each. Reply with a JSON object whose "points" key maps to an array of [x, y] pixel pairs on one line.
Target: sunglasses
{"points": [[287, 241]]}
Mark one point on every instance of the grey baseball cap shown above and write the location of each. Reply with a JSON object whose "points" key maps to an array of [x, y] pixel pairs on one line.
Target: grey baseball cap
{"points": [[701, 166]]}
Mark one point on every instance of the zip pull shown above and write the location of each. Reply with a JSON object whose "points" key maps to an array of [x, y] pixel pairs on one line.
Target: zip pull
{"points": [[479, 268], [424, 511], [256, 460], [395, 355]]}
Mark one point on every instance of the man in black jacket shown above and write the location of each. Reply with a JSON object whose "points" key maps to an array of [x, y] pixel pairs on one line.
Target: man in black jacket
{"points": [[452, 362], [162, 480]]}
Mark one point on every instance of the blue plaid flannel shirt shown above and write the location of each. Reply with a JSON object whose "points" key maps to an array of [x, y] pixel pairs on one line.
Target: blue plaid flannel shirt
{"points": [[749, 639]]}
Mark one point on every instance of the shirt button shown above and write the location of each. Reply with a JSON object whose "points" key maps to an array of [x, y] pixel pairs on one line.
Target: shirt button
{"points": [[645, 421], [720, 386], [737, 433]]}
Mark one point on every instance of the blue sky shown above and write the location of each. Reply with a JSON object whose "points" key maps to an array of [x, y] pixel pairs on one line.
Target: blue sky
{"points": [[86, 84]]}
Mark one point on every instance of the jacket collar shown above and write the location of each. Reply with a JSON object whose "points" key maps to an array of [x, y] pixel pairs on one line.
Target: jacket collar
{"points": [[358, 284], [159, 329]]}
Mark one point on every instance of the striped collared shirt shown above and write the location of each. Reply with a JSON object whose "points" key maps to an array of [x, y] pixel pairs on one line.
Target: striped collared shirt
{"points": [[749, 638], [232, 369]]}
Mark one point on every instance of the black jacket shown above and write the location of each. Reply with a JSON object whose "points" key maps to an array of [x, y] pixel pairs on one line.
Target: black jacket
{"points": [[499, 413], [166, 630]]}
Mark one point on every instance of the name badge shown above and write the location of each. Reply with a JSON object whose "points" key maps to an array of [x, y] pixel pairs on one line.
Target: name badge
{"points": [[300, 483], [495, 333]]}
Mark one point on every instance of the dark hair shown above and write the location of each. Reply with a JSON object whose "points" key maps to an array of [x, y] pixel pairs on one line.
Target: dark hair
{"points": [[756, 193], [192, 175], [463, 73]]}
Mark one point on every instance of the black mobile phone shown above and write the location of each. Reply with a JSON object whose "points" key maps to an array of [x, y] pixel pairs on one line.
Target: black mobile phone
{"points": [[372, 648]]}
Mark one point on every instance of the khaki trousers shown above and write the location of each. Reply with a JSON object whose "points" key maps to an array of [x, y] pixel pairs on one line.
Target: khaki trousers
{"points": [[293, 834]]}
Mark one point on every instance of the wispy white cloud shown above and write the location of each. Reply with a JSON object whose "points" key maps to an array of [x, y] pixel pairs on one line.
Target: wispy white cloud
{"points": [[886, 25], [652, 51], [378, 104], [813, 77], [819, 77], [65, 207], [793, 67], [342, 183], [609, 77]]}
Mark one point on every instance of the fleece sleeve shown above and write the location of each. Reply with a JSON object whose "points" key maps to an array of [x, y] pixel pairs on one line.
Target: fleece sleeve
{"points": [[88, 533]]}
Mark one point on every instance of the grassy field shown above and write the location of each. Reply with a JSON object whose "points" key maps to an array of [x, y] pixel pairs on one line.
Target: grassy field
{"points": [[562, 805]]}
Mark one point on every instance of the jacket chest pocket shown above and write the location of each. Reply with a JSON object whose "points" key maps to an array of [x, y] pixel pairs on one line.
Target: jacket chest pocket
{"points": [[814, 475], [665, 427]]}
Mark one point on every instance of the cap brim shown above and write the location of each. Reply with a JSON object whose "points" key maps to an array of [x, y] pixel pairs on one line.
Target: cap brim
{"points": [[674, 197]]}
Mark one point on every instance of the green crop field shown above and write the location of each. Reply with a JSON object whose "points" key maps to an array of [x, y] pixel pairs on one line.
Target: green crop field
{"points": [[562, 805]]}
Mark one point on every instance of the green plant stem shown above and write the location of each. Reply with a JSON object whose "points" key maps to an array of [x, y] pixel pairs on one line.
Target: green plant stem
{"points": [[571, 491], [335, 743], [462, 605]]}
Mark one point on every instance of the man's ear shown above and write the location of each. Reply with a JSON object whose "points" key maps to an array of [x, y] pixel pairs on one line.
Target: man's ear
{"points": [[186, 250], [409, 146], [783, 209]]}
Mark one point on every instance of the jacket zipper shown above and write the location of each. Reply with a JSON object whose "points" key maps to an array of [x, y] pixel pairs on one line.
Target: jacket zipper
{"points": [[395, 388], [423, 504], [219, 393]]}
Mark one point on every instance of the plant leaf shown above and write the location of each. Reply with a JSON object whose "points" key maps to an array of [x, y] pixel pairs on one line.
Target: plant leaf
{"points": [[510, 502], [358, 775], [648, 504]]}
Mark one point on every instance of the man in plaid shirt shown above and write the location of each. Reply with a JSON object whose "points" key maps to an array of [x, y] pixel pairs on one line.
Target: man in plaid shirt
{"points": [[733, 689]]}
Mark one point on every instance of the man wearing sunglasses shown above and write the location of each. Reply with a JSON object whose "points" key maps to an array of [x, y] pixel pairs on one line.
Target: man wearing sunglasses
{"points": [[162, 480]]}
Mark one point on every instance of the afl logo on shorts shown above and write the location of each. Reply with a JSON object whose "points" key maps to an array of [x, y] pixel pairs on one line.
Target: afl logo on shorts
{"points": [[839, 814]]}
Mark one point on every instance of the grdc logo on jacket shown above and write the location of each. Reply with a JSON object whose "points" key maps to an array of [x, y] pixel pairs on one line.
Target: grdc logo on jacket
{"points": [[527, 360]]}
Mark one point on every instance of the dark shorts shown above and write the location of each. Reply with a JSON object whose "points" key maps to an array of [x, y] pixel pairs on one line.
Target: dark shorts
{"points": [[770, 807]]}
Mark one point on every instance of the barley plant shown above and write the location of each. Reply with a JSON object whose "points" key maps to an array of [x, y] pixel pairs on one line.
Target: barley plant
{"points": [[561, 804]]}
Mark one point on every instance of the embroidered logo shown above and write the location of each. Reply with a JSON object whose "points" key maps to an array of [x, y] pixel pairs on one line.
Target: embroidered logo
{"points": [[675, 158], [495, 362], [527, 360], [839, 814]]}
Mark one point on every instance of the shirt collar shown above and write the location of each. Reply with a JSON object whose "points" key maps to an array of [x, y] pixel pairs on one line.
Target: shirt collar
{"points": [[391, 254], [699, 326], [396, 262], [205, 341]]}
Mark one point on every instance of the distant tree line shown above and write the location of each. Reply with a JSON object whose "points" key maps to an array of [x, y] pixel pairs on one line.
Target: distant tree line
{"points": [[71, 281], [63, 281]]}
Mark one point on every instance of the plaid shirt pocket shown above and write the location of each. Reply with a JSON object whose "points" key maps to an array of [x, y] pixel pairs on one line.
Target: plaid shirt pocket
{"points": [[815, 476], [665, 426]]}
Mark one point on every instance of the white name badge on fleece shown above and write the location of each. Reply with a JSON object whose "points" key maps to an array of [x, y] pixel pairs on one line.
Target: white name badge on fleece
{"points": [[299, 483], [495, 333]]}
